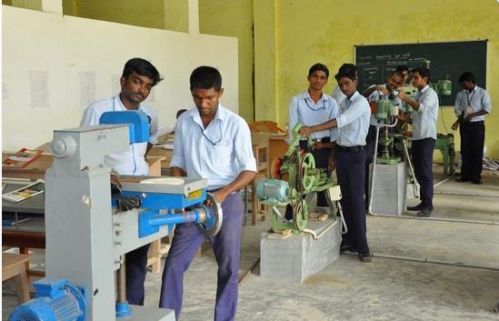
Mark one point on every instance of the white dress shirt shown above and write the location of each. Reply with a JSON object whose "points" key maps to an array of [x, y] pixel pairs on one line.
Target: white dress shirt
{"points": [[424, 120], [131, 162], [219, 152], [478, 99], [353, 121], [303, 110]]}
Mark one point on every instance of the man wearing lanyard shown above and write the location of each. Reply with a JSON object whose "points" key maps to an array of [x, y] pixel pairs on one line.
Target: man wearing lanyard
{"points": [[353, 124], [424, 135], [472, 103], [137, 80], [310, 108], [214, 143]]}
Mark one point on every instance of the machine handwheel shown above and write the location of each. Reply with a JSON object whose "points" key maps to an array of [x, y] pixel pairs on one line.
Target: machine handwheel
{"points": [[307, 162], [214, 217]]}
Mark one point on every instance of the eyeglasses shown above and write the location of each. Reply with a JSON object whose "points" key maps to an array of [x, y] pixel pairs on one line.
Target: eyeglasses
{"points": [[213, 141]]}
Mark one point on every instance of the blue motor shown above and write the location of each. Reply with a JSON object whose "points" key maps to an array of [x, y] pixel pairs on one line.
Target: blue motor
{"points": [[272, 190], [56, 300]]}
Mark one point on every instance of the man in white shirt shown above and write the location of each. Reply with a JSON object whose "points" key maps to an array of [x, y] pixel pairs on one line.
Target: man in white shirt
{"points": [[337, 94], [424, 135], [137, 80], [312, 107], [388, 91], [214, 143], [472, 104], [353, 124]]}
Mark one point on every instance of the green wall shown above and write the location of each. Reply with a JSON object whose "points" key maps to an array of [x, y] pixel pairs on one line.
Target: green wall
{"points": [[149, 13], [327, 30], [235, 19], [279, 40]]}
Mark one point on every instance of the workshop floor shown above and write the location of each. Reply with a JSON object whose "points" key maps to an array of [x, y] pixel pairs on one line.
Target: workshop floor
{"points": [[442, 268]]}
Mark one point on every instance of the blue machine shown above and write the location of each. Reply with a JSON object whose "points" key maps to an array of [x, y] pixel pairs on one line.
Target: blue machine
{"points": [[137, 121], [159, 202], [56, 300]]}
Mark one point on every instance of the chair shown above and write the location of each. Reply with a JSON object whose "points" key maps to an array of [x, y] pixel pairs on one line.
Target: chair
{"points": [[265, 126]]}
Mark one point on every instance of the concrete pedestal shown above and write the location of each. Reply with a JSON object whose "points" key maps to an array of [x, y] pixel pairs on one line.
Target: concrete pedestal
{"points": [[297, 257], [141, 313], [389, 184]]}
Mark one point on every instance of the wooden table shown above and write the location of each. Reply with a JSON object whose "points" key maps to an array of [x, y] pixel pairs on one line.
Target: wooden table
{"points": [[14, 265]]}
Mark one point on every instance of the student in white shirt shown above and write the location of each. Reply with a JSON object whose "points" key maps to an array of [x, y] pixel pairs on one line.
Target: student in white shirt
{"points": [[312, 107], [214, 143], [424, 135], [388, 91], [472, 104], [138, 78], [353, 124]]}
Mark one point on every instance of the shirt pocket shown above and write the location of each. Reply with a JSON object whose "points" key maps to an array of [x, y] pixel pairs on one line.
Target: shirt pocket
{"points": [[221, 155]]}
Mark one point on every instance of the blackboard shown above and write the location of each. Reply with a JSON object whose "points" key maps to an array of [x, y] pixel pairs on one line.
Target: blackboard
{"points": [[447, 59]]}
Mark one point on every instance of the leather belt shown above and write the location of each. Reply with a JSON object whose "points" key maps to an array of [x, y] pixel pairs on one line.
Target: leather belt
{"points": [[357, 148]]}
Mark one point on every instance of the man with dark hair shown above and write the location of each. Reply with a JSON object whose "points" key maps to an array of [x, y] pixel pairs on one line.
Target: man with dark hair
{"points": [[353, 124], [424, 135], [214, 143], [139, 77], [472, 103], [312, 107], [404, 69], [388, 91], [344, 69]]}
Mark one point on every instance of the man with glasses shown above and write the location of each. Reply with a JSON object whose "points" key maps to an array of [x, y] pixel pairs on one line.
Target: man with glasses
{"points": [[214, 143]]}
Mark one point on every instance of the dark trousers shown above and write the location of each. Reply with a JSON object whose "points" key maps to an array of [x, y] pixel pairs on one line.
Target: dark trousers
{"points": [[321, 157], [226, 246], [136, 268], [472, 140], [370, 146], [350, 170], [422, 157]]}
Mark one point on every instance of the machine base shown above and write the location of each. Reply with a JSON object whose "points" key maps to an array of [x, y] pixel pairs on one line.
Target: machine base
{"points": [[140, 313], [296, 257], [389, 189]]}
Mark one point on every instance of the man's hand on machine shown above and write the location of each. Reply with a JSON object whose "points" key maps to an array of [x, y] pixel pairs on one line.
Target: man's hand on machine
{"points": [[305, 131], [124, 203], [219, 197], [127, 203]]}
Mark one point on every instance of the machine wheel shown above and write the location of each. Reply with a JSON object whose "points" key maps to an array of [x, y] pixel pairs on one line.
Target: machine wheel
{"points": [[214, 217], [307, 162]]}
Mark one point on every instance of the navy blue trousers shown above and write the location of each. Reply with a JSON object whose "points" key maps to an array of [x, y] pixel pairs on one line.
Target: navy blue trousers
{"points": [[370, 146], [472, 140], [350, 170], [226, 246], [422, 157], [321, 157], [136, 269]]}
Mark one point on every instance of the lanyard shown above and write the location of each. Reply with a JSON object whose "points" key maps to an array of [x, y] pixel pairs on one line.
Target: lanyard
{"points": [[213, 142], [469, 97], [323, 107]]}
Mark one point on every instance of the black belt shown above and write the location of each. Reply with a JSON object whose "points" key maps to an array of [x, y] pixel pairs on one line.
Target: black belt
{"points": [[322, 139], [357, 148]]}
